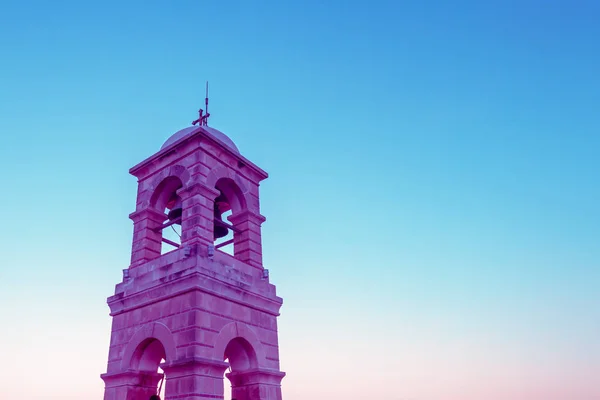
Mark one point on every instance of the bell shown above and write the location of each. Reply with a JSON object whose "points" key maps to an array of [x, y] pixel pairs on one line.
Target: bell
{"points": [[175, 210], [219, 230]]}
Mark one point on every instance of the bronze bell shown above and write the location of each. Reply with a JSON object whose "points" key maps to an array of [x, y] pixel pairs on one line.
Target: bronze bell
{"points": [[175, 210], [219, 230]]}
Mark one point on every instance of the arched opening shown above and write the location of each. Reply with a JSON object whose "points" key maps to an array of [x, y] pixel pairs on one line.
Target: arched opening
{"points": [[230, 200], [166, 200], [223, 235], [146, 360], [241, 357]]}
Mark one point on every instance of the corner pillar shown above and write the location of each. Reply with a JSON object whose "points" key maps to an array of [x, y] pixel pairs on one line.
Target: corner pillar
{"points": [[256, 384], [247, 243], [195, 379], [147, 239], [197, 221], [130, 385]]}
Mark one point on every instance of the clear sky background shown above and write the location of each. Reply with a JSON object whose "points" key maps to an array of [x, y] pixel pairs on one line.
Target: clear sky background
{"points": [[433, 218]]}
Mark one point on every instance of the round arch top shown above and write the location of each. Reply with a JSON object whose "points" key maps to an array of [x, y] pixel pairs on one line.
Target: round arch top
{"points": [[214, 133]]}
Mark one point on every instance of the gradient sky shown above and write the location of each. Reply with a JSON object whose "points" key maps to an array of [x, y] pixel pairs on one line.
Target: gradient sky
{"points": [[433, 218]]}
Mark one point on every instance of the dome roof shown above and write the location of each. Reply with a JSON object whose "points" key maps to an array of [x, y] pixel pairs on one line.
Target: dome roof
{"points": [[214, 133]]}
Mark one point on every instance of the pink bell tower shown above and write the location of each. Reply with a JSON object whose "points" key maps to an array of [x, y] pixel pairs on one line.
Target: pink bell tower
{"points": [[186, 306]]}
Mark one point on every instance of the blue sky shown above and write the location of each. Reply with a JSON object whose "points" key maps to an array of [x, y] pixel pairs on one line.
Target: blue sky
{"points": [[433, 201]]}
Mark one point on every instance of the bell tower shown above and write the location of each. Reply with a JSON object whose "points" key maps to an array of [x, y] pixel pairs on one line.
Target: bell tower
{"points": [[186, 307]]}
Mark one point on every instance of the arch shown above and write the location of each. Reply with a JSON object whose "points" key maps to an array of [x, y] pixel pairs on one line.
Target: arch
{"points": [[241, 337], [147, 355], [145, 337], [165, 180], [233, 194], [228, 177], [164, 191], [241, 355]]}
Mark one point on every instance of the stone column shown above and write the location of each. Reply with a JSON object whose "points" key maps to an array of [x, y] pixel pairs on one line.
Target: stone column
{"points": [[197, 221], [130, 385], [247, 243], [194, 379], [256, 384], [146, 240]]}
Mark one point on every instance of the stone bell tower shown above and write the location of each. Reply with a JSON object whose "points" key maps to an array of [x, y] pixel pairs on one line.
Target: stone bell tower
{"points": [[195, 311]]}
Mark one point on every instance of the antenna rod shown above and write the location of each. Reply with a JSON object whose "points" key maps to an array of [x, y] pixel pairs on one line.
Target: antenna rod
{"points": [[203, 117], [206, 105]]}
